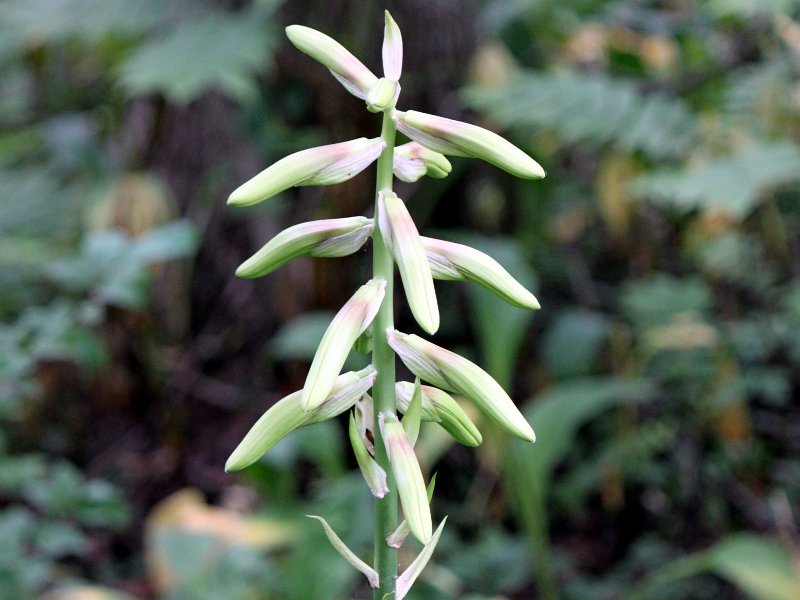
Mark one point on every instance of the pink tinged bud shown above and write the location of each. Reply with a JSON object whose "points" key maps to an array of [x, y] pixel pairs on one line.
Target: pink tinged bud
{"points": [[402, 237], [325, 238], [462, 139], [408, 477], [350, 556], [350, 322], [412, 161], [457, 262], [346, 68], [286, 415], [398, 536], [392, 49], [383, 95], [324, 165], [452, 372], [409, 576], [439, 407], [373, 474]]}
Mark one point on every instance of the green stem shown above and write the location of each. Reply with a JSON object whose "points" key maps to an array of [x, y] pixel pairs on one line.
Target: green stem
{"points": [[383, 392]]}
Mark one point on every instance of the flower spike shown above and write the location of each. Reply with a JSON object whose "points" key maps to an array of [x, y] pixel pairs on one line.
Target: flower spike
{"points": [[462, 139], [325, 238], [413, 160], [408, 477], [450, 371], [349, 323], [324, 165], [402, 237], [286, 415], [346, 68], [392, 49], [457, 262]]}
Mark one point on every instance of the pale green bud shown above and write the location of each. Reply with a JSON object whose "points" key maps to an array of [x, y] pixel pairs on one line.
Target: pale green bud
{"points": [[452, 372], [462, 139], [382, 95], [349, 323], [324, 165], [286, 415], [439, 407], [373, 474], [401, 236], [413, 160], [327, 238], [408, 477], [457, 262], [409, 576], [398, 536], [392, 49], [351, 72], [350, 556]]}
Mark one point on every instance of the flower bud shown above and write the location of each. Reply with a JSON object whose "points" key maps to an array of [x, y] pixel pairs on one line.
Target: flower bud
{"points": [[457, 262], [286, 415], [462, 139], [350, 322], [373, 474], [409, 576], [398, 536], [452, 372], [350, 556], [408, 477], [392, 49], [382, 95], [324, 165], [439, 407], [351, 72], [325, 238], [413, 160], [401, 236]]}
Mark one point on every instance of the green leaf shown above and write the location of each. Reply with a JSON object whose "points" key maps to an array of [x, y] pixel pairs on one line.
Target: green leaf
{"points": [[218, 51]]}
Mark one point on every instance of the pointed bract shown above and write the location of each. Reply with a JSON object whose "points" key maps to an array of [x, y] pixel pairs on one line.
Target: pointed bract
{"points": [[401, 236], [373, 474], [409, 576], [463, 139], [457, 262], [408, 477], [338, 545], [349, 323], [324, 165], [350, 71], [286, 415], [439, 407], [325, 238], [392, 49], [413, 415], [452, 372], [413, 160]]}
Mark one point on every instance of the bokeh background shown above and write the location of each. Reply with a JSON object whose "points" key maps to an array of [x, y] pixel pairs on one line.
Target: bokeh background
{"points": [[661, 374]]}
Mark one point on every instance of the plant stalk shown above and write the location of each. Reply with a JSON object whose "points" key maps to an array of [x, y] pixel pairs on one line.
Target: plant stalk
{"points": [[383, 392]]}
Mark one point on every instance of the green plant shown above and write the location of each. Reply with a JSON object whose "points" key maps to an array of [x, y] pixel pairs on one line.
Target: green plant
{"points": [[383, 445]]}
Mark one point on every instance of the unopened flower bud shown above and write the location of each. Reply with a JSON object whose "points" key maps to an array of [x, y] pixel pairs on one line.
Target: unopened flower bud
{"points": [[324, 165], [439, 407], [452, 372], [373, 474], [413, 160], [408, 477], [462, 139], [286, 415], [392, 49], [350, 322], [325, 238], [382, 95], [351, 72], [457, 262], [401, 236]]}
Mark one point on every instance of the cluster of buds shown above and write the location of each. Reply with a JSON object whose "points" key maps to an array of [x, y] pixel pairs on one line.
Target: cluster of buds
{"points": [[420, 261]]}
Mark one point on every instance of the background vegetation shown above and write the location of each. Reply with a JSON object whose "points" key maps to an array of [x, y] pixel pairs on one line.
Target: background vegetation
{"points": [[662, 374]]}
